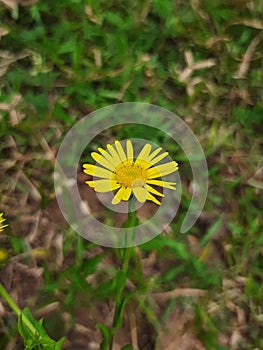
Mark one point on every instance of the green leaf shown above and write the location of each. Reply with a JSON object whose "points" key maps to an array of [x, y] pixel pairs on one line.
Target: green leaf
{"points": [[105, 335], [18, 244], [24, 331], [60, 113], [127, 347], [119, 282], [114, 19], [89, 266], [34, 334], [68, 46], [119, 318], [178, 248], [39, 101], [212, 230]]}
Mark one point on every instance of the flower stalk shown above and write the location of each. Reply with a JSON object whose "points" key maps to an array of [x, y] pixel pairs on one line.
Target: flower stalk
{"points": [[120, 298], [16, 309]]}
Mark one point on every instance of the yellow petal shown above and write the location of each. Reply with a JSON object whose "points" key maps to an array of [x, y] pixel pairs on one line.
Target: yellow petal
{"points": [[1, 218], [153, 199], [102, 161], [147, 164], [129, 149], [116, 158], [109, 158], [164, 184], [97, 171], [158, 158], [153, 154], [144, 152], [142, 163], [154, 191], [140, 194], [120, 151], [162, 170], [126, 194], [122, 194], [103, 185], [101, 150]]}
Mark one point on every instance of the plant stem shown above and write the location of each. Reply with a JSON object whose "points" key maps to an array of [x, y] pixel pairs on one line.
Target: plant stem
{"points": [[127, 253], [15, 308], [119, 297], [119, 304], [9, 300]]}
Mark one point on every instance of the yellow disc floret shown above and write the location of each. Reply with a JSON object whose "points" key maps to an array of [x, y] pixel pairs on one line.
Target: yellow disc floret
{"points": [[130, 175]]}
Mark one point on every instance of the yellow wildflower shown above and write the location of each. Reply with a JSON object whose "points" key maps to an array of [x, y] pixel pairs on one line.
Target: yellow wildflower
{"points": [[118, 170], [3, 255], [1, 221]]}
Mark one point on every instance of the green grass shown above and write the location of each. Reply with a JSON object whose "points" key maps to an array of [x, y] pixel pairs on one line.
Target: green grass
{"points": [[63, 60]]}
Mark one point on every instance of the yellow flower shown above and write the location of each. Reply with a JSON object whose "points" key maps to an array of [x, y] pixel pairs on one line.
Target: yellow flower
{"points": [[3, 255], [119, 171], [2, 220]]}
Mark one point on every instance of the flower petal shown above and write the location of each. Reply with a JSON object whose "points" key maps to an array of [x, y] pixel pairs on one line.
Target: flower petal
{"points": [[2, 219], [129, 149], [147, 164], [144, 152], [120, 151], [126, 194], [122, 194], [116, 158], [158, 158], [106, 155], [103, 185], [154, 191], [102, 161], [101, 150], [162, 170], [140, 194], [114, 164], [164, 184], [153, 199], [97, 171], [153, 154]]}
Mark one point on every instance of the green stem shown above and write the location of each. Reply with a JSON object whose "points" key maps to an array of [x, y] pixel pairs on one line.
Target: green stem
{"points": [[127, 253], [126, 258], [15, 308], [9, 300]]}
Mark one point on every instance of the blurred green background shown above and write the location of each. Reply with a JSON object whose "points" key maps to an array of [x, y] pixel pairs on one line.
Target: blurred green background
{"points": [[60, 60]]}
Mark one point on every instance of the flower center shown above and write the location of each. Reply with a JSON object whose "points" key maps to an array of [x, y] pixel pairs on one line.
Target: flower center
{"points": [[130, 175]]}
